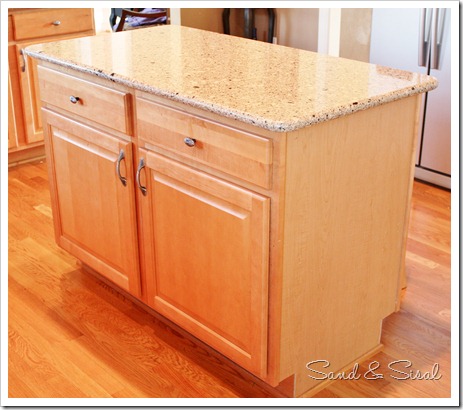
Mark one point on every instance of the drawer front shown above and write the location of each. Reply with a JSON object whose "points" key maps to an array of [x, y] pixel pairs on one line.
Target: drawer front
{"points": [[94, 102], [234, 152], [51, 22]]}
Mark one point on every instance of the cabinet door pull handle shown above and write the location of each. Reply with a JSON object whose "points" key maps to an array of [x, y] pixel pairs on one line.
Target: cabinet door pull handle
{"points": [[118, 167], [73, 99], [56, 23], [141, 165], [23, 65], [190, 141]]}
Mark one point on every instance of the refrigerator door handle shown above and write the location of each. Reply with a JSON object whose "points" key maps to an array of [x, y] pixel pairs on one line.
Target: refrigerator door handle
{"points": [[437, 37], [424, 37]]}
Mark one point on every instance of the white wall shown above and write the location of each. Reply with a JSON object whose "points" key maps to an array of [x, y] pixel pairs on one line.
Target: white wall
{"points": [[102, 19], [329, 28]]}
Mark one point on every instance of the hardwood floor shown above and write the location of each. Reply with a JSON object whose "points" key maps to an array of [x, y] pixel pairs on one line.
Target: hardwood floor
{"points": [[71, 335]]}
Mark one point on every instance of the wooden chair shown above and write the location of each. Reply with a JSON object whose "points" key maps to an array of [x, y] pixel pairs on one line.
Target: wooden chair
{"points": [[141, 19]]}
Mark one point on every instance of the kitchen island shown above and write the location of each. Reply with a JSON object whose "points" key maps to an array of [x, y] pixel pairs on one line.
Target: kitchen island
{"points": [[255, 195]]}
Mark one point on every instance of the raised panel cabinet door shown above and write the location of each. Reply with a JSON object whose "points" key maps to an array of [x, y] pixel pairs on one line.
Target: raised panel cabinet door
{"points": [[30, 96], [12, 133], [206, 249], [93, 198]]}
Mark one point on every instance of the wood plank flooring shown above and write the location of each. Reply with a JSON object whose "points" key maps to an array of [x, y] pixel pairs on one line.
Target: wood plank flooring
{"points": [[71, 335]]}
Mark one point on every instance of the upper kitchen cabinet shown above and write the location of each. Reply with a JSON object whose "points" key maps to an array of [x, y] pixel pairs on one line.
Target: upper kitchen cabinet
{"points": [[26, 27], [418, 40]]}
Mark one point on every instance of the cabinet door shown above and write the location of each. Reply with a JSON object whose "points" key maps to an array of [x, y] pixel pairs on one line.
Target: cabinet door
{"points": [[12, 132], [30, 96], [94, 211], [206, 248]]}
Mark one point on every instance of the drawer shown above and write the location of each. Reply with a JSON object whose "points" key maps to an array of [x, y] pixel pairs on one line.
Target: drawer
{"points": [[226, 149], [95, 102], [51, 22]]}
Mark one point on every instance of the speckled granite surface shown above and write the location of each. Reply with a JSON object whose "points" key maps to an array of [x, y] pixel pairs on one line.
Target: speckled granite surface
{"points": [[273, 87]]}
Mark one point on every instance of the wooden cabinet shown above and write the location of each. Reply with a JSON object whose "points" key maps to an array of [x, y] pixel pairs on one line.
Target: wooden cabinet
{"points": [[12, 132], [93, 198], [15, 123], [27, 69], [234, 152], [89, 101], [203, 241], [37, 23], [207, 246], [26, 27], [274, 248]]}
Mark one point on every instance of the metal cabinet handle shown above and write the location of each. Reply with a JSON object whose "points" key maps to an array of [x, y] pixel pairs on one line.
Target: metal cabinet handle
{"points": [[190, 142], [56, 23], [141, 165], [23, 65], [118, 167], [73, 99]]}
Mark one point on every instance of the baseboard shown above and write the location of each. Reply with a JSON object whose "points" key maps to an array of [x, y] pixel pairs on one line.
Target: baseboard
{"points": [[26, 155], [433, 178]]}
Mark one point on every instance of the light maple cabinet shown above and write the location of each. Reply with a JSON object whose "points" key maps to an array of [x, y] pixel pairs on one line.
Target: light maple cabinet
{"points": [[206, 238], [12, 133], [26, 27], [207, 257], [204, 241], [91, 175], [274, 248], [27, 69], [93, 200]]}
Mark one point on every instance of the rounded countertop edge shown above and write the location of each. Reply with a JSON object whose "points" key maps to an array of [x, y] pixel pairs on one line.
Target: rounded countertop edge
{"points": [[258, 121]]}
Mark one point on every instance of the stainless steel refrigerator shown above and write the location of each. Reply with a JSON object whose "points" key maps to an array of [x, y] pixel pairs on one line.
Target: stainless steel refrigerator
{"points": [[418, 40]]}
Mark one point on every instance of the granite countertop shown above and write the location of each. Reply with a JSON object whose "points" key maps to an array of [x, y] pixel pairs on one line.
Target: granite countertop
{"points": [[274, 87]]}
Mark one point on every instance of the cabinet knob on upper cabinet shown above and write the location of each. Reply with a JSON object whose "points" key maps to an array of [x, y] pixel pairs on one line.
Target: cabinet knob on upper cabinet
{"points": [[190, 142], [74, 99], [56, 23]]}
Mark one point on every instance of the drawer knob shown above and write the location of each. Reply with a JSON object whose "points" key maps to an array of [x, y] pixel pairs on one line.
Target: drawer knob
{"points": [[56, 23], [190, 142], [74, 99]]}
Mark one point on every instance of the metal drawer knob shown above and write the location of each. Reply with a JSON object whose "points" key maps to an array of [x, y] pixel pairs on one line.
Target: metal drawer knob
{"points": [[74, 99], [56, 23], [190, 142]]}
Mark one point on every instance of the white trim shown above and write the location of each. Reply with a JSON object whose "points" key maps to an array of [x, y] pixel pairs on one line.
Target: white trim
{"points": [[329, 31], [175, 17], [432, 177]]}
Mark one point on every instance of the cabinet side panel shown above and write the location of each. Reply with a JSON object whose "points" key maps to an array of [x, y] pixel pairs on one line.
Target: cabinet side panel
{"points": [[346, 209]]}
